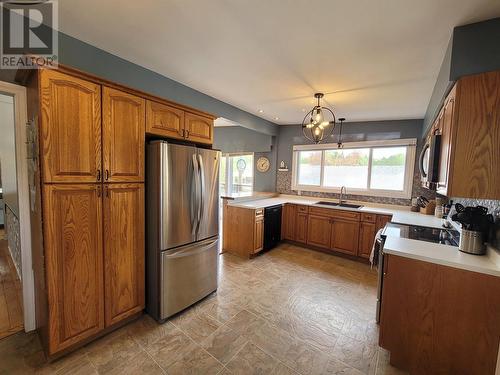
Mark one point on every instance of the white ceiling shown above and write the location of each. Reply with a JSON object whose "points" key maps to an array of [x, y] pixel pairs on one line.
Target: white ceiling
{"points": [[374, 59]]}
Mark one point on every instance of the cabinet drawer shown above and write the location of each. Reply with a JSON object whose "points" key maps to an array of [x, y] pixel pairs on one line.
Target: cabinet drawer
{"points": [[301, 208], [259, 212], [334, 213], [370, 218]]}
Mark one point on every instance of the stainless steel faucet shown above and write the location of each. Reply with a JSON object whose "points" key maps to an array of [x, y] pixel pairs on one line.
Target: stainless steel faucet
{"points": [[343, 191]]}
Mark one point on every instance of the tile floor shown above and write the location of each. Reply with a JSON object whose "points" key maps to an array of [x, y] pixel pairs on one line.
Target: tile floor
{"points": [[289, 311], [11, 308]]}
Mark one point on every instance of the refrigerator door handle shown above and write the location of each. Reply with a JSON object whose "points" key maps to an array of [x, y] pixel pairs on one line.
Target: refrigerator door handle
{"points": [[202, 187], [195, 203]]}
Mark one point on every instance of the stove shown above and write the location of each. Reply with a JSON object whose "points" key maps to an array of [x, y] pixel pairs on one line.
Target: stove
{"points": [[443, 236]]}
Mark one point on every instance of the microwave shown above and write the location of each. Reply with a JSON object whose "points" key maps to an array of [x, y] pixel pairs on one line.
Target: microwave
{"points": [[429, 162]]}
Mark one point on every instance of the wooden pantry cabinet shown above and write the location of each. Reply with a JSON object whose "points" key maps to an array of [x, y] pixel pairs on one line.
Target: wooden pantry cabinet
{"points": [[74, 263], [123, 143], [123, 250], [89, 262], [70, 135], [469, 125]]}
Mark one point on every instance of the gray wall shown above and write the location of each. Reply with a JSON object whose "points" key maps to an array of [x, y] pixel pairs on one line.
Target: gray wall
{"points": [[473, 48], [290, 135], [8, 153], [238, 139]]}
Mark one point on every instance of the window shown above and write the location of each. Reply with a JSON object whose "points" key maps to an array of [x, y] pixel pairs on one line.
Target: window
{"points": [[236, 174], [379, 168]]}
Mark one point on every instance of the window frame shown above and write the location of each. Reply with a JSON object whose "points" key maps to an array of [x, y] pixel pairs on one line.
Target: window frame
{"points": [[409, 143]]}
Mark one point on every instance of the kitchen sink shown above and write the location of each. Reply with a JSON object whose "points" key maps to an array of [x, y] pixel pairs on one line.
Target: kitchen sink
{"points": [[347, 205]]}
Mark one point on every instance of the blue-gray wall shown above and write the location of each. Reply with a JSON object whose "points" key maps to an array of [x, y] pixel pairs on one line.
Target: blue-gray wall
{"points": [[291, 135], [238, 139], [473, 48]]}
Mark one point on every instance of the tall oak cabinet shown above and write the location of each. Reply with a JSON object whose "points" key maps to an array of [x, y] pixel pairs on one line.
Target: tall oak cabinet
{"points": [[92, 159]]}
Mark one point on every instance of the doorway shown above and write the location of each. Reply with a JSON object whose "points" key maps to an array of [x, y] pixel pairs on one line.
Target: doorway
{"points": [[17, 311]]}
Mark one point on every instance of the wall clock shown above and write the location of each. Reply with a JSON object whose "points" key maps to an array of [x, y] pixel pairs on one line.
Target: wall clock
{"points": [[263, 164]]}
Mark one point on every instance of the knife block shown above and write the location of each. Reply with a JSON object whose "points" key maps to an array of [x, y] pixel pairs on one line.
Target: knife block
{"points": [[429, 208]]}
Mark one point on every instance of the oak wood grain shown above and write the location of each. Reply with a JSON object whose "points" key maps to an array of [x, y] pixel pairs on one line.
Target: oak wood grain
{"points": [[288, 217], [198, 128], [124, 253], [70, 128], [366, 239], [259, 234], [319, 231], [301, 225], [345, 236], [164, 120], [124, 117], [476, 155], [74, 263]]}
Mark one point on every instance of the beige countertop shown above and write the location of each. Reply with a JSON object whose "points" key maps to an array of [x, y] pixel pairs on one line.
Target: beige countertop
{"points": [[419, 250]]}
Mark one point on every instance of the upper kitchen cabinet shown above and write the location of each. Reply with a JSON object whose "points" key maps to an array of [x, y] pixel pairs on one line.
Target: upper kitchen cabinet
{"points": [[199, 129], [123, 136], [70, 128], [164, 120], [470, 129]]}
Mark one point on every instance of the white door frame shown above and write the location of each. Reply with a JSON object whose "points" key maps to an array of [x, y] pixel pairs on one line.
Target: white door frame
{"points": [[20, 120]]}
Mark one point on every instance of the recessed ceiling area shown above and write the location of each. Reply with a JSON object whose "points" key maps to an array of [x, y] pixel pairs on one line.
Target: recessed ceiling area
{"points": [[374, 60]]}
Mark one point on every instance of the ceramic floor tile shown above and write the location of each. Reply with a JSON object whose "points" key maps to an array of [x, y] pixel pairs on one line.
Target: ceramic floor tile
{"points": [[293, 310], [196, 361], [251, 360], [224, 343]]}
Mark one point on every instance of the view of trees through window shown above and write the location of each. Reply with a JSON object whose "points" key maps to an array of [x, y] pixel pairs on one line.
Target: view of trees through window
{"points": [[236, 174], [359, 168]]}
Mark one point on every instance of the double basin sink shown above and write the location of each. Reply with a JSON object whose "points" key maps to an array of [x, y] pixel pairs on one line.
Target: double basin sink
{"points": [[347, 205]]}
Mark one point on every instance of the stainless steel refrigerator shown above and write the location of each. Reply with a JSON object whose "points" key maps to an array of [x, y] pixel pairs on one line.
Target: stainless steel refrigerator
{"points": [[182, 226]]}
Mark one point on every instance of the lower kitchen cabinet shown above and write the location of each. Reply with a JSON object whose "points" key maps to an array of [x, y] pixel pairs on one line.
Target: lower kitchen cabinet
{"points": [[259, 233], [439, 320], [366, 238], [345, 236], [123, 250], [94, 259], [288, 216], [73, 264], [301, 225], [319, 231]]}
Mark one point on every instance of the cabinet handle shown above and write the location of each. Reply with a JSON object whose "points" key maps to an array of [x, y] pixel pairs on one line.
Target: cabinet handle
{"points": [[98, 192], [107, 175], [98, 175], [187, 133], [107, 191]]}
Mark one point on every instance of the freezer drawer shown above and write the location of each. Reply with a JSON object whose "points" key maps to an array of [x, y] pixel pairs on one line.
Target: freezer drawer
{"points": [[188, 274]]}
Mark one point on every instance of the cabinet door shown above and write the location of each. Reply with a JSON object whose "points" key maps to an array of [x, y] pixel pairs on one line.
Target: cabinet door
{"points": [[319, 231], [70, 128], [74, 263], [446, 130], [198, 128], [123, 136], [288, 222], [259, 234], [301, 227], [366, 238], [123, 250], [381, 221], [164, 120], [345, 235]]}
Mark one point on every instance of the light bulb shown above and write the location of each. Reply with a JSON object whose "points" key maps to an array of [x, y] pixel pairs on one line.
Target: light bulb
{"points": [[318, 116], [316, 131]]}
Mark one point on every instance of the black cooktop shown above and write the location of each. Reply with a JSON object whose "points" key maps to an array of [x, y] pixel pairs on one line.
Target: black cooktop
{"points": [[414, 232]]}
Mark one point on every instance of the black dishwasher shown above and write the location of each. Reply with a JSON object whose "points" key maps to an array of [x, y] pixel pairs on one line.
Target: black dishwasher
{"points": [[272, 226]]}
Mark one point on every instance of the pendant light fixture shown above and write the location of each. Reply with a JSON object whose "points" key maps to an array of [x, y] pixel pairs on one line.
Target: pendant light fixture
{"points": [[339, 143], [319, 122]]}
